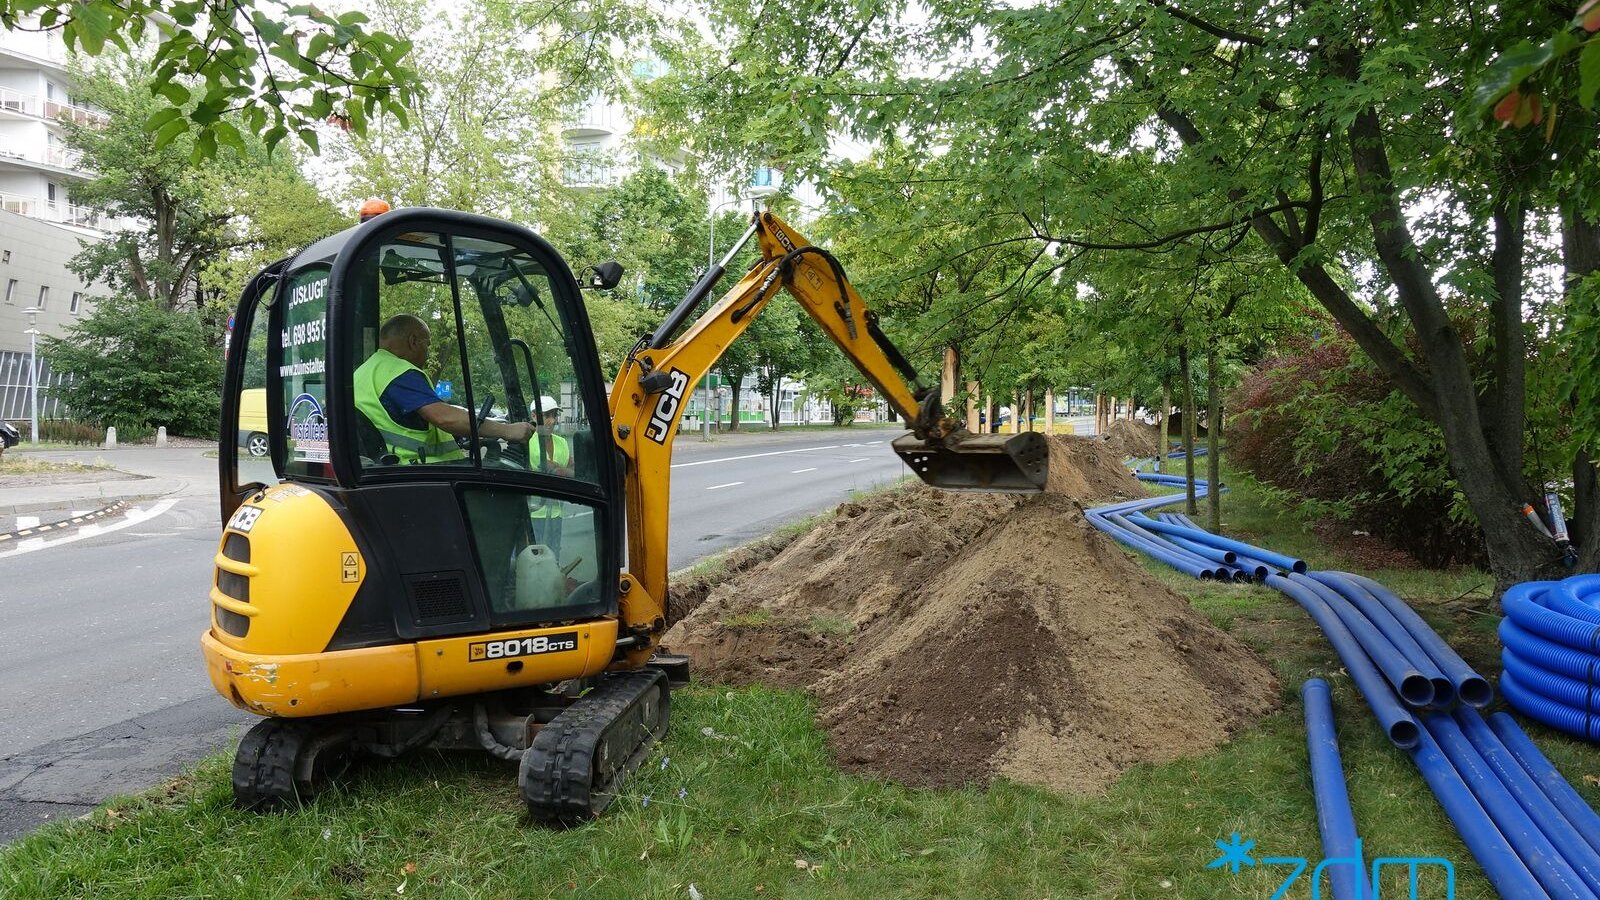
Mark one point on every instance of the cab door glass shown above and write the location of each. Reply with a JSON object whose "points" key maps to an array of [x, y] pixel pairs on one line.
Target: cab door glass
{"points": [[409, 372], [253, 431], [520, 362]]}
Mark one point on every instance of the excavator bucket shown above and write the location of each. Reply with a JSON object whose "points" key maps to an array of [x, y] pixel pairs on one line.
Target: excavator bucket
{"points": [[1001, 463]]}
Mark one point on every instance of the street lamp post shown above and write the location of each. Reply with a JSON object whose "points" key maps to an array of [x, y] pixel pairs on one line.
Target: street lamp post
{"points": [[33, 373]]}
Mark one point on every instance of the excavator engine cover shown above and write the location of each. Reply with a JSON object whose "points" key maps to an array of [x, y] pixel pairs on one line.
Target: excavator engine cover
{"points": [[993, 463]]}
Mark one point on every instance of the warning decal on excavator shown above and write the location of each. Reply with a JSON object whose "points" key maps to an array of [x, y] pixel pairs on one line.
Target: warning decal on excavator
{"points": [[349, 567], [528, 646]]}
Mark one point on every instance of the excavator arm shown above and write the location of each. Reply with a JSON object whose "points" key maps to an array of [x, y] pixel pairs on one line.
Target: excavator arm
{"points": [[649, 395]]}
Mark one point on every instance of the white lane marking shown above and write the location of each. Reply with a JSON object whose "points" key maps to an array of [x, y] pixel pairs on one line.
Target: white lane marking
{"points": [[862, 459], [131, 518], [707, 462], [870, 443], [718, 487], [27, 522], [799, 471]]}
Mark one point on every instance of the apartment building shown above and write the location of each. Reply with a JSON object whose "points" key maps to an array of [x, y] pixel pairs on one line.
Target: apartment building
{"points": [[41, 229]]}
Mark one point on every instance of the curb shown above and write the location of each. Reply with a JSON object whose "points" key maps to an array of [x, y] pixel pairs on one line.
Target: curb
{"points": [[64, 524]]}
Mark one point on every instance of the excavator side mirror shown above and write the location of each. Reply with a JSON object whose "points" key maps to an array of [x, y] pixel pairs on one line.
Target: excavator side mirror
{"points": [[605, 276]]}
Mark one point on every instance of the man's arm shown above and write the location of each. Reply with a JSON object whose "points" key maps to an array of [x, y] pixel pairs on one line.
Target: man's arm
{"points": [[457, 421]]}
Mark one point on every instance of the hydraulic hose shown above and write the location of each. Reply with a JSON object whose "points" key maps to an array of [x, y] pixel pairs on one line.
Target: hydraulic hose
{"points": [[1335, 820], [1472, 688], [1551, 655], [1544, 863]]}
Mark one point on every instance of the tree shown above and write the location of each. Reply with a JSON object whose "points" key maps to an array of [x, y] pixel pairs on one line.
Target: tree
{"points": [[133, 362], [184, 215], [1338, 137], [281, 68]]}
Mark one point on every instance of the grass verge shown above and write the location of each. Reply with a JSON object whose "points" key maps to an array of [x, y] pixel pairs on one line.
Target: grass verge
{"points": [[18, 464], [744, 801]]}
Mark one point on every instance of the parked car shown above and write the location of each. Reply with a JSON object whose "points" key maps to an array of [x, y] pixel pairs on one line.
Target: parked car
{"points": [[9, 436], [253, 421]]}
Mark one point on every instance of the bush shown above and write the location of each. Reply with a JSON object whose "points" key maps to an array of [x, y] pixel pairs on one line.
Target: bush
{"points": [[1321, 423], [68, 431], [137, 366]]}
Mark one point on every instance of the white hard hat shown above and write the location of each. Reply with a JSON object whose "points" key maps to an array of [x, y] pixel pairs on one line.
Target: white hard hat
{"points": [[548, 403]]}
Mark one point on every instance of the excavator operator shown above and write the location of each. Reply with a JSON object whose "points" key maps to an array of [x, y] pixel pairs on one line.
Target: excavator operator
{"points": [[397, 397]]}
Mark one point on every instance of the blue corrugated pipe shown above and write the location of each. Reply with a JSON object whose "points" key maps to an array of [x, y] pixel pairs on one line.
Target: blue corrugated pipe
{"points": [[1201, 536], [1414, 688], [1551, 660], [1335, 820]]}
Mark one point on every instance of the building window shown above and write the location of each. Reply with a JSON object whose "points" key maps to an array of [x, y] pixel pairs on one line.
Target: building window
{"points": [[11, 290], [5, 256], [77, 301], [44, 295]]}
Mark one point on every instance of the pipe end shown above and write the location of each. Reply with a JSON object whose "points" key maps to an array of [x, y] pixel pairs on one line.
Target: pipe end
{"points": [[1475, 691], [1405, 734], [1416, 690]]}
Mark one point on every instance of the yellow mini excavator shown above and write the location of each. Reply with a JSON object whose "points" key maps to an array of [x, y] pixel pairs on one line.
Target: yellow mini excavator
{"points": [[487, 569]]}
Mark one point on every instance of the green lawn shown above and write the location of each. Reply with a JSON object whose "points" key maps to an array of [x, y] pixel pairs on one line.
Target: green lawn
{"points": [[764, 813]]}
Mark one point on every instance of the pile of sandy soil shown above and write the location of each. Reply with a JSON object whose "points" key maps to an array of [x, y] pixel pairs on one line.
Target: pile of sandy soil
{"points": [[1128, 438], [953, 638]]}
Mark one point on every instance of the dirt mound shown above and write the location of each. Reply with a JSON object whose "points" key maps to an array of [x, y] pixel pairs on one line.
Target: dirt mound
{"points": [[951, 638], [1133, 439]]}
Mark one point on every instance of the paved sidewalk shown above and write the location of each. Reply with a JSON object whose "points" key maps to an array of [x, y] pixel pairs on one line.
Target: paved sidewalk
{"points": [[156, 473]]}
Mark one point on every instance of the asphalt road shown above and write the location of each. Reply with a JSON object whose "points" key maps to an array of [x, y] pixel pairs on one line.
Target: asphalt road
{"points": [[102, 690]]}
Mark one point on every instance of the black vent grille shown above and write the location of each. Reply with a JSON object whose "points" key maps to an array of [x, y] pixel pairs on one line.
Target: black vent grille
{"points": [[232, 622], [234, 585], [236, 547], [440, 597]]}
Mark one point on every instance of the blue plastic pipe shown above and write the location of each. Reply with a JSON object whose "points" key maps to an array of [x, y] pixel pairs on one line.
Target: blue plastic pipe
{"points": [[1444, 692], [1472, 688], [1335, 820], [1583, 819], [1506, 871], [1568, 843], [1413, 687], [1397, 723], [1532, 847], [1201, 536]]}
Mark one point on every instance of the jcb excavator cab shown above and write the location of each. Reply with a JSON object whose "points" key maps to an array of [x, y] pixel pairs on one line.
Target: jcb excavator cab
{"points": [[376, 560]]}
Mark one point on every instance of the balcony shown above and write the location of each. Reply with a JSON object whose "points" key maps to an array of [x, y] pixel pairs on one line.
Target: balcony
{"points": [[54, 156], [15, 101], [594, 117], [50, 210]]}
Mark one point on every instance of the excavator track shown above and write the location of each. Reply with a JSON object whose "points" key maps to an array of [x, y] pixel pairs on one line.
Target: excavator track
{"points": [[282, 763], [577, 762]]}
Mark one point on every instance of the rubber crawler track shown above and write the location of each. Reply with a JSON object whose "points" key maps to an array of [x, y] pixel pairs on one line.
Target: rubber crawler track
{"points": [[611, 728]]}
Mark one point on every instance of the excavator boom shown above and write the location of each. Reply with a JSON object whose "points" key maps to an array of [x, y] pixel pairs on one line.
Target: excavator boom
{"points": [[649, 395]]}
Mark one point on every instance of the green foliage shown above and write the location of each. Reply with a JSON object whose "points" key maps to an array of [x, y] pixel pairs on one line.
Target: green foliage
{"points": [[280, 68], [199, 228], [133, 363], [1320, 425]]}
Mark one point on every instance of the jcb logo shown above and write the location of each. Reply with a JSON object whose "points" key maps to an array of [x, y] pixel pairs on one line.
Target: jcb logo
{"points": [[667, 408]]}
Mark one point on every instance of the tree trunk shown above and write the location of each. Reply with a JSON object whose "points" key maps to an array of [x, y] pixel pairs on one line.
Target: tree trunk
{"points": [[1580, 256], [733, 414], [777, 394], [1213, 440], [1188, 428], [1162, 439]]}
